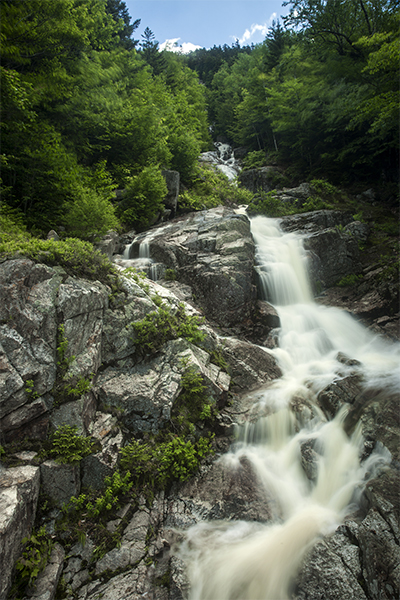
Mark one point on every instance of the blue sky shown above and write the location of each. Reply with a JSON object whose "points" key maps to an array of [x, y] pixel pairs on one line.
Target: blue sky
{"points": [[205, 23]]}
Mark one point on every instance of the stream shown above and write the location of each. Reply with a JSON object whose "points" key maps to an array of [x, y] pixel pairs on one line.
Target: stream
{"points": [[242, 560]]}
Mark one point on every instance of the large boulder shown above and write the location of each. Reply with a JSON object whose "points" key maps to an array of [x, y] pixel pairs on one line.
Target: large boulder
{"points": [[213, 252]]}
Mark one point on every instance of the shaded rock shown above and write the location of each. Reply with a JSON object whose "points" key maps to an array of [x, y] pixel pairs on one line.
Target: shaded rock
{"points": [[332, 255], [314, 221], [19, 492], [109, 244], [60, 481], [30, 420], [263, 179]]}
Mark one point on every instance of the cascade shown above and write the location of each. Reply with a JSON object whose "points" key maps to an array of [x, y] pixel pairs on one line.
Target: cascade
{"points": [[223, 158], [144, 262], [239, 560]]}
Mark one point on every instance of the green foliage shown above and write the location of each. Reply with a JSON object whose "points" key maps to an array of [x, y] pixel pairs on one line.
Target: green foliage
{"points": [[143, 197], [69, 447], [77, 257], [34, 558], [30, 388], [81, 387], [155, 466], [218, 359], [349, 280], [254, 160], [211, 188], [269, 204], [163, 324], [90, 216], [170, 275], [64, 361], [116, 487]]}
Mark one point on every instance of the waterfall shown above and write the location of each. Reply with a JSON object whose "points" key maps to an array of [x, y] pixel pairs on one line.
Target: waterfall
{"points": [[144, 262], [239, 560]]}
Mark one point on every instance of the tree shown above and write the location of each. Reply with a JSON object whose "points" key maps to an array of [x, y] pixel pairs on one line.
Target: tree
{"points": [[150, 51], [119, 12]]}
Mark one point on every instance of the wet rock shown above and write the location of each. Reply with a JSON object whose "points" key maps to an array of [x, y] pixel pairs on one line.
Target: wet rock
{"points": [[331, 571], [224, 491], [19, 492], [340, 392], [309, 459], [250, 365]]}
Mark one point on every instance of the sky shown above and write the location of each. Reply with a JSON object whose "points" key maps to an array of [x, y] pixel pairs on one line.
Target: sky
{"points": [[191, 24]]}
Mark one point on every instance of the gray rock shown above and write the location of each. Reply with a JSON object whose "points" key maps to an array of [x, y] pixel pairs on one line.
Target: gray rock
{"points": [[78, 413], [172, 179], [60, 481], [146, 393], [213, 252], [222, 491], [80, 306], [96, 467], [19, 492], [316, 220], [331, 571], [250, 366], [109, 244]]}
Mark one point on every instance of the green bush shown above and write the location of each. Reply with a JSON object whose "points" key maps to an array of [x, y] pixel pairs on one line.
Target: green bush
{"points": [[211, 188], [348, 280], [77, 257], [254, 160], [269, 204], [90, 216], [143, 198], [162, 325], [69, 447]]}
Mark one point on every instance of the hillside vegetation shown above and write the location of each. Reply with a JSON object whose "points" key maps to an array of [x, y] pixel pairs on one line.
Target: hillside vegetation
{"points": [[86, 109]]}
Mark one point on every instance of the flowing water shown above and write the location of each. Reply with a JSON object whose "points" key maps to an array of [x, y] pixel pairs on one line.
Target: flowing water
{"points": [[238, 560]]}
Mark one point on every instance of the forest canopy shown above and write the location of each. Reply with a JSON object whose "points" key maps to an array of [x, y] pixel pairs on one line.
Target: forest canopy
{"points": [[87, 109]]}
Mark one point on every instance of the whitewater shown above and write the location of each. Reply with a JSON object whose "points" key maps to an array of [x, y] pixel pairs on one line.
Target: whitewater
{"points": [[239, 560]]}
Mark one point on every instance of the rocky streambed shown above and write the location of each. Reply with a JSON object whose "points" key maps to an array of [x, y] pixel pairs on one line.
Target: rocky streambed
{"points": [[133, 392]]}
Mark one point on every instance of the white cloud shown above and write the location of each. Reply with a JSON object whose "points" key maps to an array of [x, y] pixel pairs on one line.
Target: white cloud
{"points": [[255, 31], [173, 46]]}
